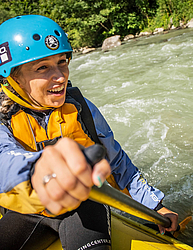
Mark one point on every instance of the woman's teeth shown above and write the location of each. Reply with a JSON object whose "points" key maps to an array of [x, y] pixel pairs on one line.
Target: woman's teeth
{"points": [[58, 89]]}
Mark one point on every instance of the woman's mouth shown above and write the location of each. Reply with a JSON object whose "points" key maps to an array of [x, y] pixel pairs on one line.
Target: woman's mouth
{"points": [[57, 90]]}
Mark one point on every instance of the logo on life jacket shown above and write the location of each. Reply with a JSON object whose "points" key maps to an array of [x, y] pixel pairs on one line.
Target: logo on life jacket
{"points": [[52, 42], [5, 55]]}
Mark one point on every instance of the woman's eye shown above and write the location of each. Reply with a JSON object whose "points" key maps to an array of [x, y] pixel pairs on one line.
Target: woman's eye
{"points": [[62, 61], [42, 67]]}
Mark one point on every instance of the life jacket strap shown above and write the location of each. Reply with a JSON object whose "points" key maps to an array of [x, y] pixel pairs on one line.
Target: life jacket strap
{"points": [[41, 145], [86, 115]]}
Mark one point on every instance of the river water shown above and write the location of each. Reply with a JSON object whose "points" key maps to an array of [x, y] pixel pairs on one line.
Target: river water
{"points": [[144, 90]]}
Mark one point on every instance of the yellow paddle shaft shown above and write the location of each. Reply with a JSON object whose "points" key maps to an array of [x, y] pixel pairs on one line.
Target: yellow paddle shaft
{"points": [[114, 198]]}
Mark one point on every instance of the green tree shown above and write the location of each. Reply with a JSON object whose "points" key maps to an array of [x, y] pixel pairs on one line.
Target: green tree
{"points": [[89, 22]]}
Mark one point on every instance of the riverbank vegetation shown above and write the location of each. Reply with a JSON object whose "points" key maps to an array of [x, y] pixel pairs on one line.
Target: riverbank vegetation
{"points": [[89, 22]]}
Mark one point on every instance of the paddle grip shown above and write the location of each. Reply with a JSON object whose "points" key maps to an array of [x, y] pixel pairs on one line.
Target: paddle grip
{"points": [[94, 154]]}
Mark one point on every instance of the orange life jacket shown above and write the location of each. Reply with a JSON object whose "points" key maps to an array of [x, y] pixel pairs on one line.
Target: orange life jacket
{"points": [[62, 123]]}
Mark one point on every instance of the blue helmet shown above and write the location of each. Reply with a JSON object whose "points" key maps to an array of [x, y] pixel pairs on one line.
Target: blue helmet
{"points": [[27, 38]]}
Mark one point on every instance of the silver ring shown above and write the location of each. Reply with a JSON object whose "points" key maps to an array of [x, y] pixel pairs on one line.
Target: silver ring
{"points": [[47, 178]]}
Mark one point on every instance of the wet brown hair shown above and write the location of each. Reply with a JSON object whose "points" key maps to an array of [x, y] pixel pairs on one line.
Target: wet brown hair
{"points": [[5, 102]]}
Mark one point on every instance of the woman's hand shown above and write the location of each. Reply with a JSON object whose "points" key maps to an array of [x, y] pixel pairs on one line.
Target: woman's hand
{"points": [[173, 218], [74, 176]]}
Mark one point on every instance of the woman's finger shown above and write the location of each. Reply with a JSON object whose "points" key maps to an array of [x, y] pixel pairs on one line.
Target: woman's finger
{"points": [[78, 165], [67, 198], [67, 181], [161, 229], [100, 172]]}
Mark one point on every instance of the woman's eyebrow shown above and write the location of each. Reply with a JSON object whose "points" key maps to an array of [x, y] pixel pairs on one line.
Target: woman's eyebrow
{"points": [[38, 61], [45, 59]]}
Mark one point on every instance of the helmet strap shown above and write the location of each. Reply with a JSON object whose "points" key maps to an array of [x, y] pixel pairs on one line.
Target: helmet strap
{"points": [[26, 101]]}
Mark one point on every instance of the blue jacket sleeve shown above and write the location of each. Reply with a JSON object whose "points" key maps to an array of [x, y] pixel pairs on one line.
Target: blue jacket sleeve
{"points": [[16, 192], [125, 173], [15, 161]]}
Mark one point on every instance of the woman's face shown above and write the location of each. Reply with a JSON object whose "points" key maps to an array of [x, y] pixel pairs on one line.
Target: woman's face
{"points": [[45, 80]]}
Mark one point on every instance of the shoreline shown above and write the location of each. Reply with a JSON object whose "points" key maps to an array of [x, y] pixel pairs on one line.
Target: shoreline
{"points": [[143, 34]]}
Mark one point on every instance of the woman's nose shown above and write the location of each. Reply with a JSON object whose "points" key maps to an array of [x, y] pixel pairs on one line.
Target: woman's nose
{"points": [[59, 76]]}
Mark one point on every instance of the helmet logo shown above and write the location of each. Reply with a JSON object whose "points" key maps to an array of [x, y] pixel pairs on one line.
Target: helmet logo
{"points": [[52, 42], [5, 55]]}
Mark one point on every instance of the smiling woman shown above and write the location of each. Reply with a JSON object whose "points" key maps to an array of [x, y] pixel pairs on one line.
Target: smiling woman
{"points": [[45, 80], [35, 107], [45, 179]]}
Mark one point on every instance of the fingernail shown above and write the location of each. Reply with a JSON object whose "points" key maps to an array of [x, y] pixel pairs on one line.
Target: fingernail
{"points": [[162, 233], [100, 181]]}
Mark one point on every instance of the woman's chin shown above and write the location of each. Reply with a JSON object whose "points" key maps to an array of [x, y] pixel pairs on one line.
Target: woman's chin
{"points": [[56, 103]]}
